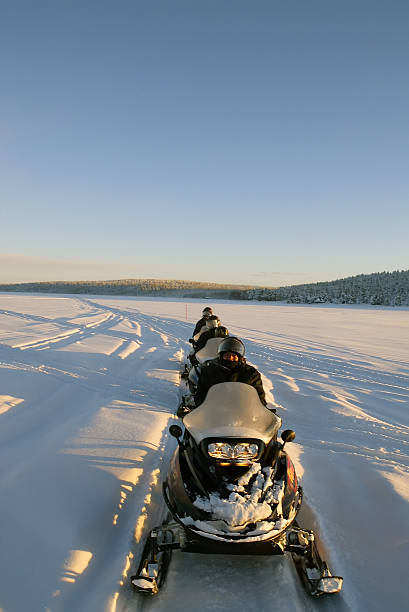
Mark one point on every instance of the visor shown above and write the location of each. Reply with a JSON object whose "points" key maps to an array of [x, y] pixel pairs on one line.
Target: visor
{"points": [[230, 356]]}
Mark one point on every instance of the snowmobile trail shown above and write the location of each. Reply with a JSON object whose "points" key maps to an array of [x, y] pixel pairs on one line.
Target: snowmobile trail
{"points": [[227, 582], [95, 420], [221, 583]]}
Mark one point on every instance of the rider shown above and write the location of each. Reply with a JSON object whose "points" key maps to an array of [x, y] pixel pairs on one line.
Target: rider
{"points": [[214, 330], [229, 366], [206, 313]]}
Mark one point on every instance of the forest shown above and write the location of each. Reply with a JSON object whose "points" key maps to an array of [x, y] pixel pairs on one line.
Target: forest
{"points": [[378, 289]]}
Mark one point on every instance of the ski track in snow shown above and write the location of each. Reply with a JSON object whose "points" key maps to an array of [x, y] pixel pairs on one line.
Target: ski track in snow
{"points": [[72, 391], [88, 389]]}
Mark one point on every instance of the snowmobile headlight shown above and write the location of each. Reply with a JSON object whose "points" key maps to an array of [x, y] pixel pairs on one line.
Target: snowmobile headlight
{"points": [[233, 452]]}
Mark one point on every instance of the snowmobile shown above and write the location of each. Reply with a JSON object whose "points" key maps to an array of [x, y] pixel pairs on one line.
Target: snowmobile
{"points": [[232, 489]]}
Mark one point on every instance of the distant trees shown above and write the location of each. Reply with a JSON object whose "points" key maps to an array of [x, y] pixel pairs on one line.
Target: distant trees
{"points": [[132, 286], [379, 289]]}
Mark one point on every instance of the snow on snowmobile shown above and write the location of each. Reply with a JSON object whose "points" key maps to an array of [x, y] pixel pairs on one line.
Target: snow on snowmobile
{"points": [[231, 488]]}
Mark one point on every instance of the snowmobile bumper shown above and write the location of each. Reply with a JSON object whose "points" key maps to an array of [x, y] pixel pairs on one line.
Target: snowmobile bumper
{"points": [[204, 545]]}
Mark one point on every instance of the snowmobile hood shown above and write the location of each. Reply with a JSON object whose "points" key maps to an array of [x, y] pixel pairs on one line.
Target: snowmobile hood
{"points": [[232, 410], [209, 351]]}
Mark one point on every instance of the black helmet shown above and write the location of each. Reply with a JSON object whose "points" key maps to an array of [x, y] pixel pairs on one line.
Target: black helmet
{"points": [[231, 345], [206, 312]]}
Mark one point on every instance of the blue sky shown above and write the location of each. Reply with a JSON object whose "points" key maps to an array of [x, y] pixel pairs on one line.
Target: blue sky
{"points": [[262, 142]]}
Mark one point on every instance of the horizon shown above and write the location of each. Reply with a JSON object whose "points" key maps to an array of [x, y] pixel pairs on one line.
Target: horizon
{"points": [[265, 145], [179, 280]]}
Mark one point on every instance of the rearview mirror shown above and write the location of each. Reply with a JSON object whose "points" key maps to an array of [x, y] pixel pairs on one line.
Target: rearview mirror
{"points": [[175, 431], [288, 435]]}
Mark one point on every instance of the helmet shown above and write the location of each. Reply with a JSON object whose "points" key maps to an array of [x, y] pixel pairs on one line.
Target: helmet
{"points": [[213, 321], [231, 345], [206, 312]]}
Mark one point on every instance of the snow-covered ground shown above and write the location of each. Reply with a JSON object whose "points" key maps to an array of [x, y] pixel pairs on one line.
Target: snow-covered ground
{"points": [[88, 387]]}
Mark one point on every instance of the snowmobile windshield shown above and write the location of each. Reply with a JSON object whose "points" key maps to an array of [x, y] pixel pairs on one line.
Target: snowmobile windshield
{"points": [[209, 351], [232, 410]]}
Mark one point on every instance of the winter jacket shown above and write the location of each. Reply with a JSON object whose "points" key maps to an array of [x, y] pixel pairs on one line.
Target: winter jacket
{"points": [[215, 332], [199, 326], [213, 372]]}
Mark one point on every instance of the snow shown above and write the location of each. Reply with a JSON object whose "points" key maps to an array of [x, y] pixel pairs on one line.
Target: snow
{"points": [[239, 508], [242, 507], [8, 401], [88, 388]]}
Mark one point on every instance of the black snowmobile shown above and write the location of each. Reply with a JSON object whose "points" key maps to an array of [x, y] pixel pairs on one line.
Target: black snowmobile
{"points": [[232, 489]]}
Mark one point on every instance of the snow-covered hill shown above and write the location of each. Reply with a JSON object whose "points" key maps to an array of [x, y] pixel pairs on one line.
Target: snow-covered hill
{"points": [[88, 387]]}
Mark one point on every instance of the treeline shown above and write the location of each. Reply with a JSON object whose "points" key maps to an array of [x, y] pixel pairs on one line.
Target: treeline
{"points": [[133, 286], [379, 289]]}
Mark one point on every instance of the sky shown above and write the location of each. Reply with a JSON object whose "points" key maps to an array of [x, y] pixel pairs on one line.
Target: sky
{"points": [[262, 142]]}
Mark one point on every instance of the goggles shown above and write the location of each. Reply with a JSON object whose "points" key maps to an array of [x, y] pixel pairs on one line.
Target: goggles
{"points": [[230, 356]]}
